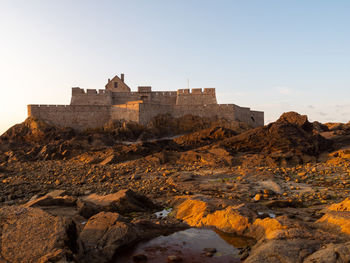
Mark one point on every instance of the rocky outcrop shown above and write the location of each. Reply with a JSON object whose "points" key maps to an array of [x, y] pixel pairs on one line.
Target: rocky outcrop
{"points": [[288, 140], [102, 235], [337, 216], [123, 201], [199, 213], [32, 235], [331, 253], [282, 251]]}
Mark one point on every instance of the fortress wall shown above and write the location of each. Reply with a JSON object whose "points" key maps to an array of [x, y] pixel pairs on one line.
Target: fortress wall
{"points": [[150, 110], [78, 117], [128, 112], [219, 110], [164, 97], [258, 117], [196, 97], [253, 118], [124, 97], [90, 97], [230, 112]]}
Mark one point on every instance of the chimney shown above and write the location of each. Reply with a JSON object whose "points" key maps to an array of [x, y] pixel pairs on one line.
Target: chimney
{"points": [[122, 77]]}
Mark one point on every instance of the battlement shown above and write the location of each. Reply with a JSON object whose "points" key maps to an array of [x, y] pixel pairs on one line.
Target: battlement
{"points": [[144, 89], [91, 97], [196, 97], [196, 91], [80, 91]]}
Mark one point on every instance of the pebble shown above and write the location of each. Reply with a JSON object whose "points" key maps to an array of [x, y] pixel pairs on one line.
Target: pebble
{"points": [[257, 197], [174, 259]]}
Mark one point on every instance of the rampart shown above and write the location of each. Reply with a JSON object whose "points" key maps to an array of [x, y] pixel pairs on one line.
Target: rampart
{"points": [[196, 97], [129, 111], [76, 116], [230, 112], [91, 97]]}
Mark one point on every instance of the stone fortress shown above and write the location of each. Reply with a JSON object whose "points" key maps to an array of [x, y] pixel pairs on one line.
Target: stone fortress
{"points": [[94, 108]]}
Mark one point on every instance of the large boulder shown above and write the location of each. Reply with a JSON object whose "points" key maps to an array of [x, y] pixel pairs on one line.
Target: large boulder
{"points": [[32, 235], [288, 140], [337, 216], [331, 253], [102, 235], [106, 233], [53, 198], [282, 251], [124, 201], [199, 213]]}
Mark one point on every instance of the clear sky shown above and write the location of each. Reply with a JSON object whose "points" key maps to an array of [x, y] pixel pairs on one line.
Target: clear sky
{"points": [[269, 55]]}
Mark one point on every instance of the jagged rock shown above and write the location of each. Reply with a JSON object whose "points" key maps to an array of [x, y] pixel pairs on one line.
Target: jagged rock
{"points": [[123, 201], [337, 216], [233, 219], [54, 198], [102, 235], [108, 160], [342, 206], [332, 253], [297, 119], [281, 227], [32, 235], [288, 140], [282, 251]]}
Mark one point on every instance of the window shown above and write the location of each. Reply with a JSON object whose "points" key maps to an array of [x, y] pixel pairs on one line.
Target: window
{"points": [[115, 85]]}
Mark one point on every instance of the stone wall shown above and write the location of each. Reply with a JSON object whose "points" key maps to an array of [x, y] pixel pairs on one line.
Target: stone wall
{"points": [[162, 97], [128, 112], [91, 97], [230, 112], [258, 118], [196, 97], [78, 117], [150, 110]]}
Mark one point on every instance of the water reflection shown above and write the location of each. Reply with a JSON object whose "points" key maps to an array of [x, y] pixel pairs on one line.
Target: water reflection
{"points": [[191, 245]]}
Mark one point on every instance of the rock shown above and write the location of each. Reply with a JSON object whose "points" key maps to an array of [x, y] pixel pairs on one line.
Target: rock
{"points": [[342, 206], [88, 209], [339, 220], [289, 140], [297, 119], [54, 198], [174, 259], [332, 253], [282, 251], [108, 160], [102, 235], [233, 219], [337, 216], [124, 201], [257, 197], [32, 235], [209, 252], [140, 258]]}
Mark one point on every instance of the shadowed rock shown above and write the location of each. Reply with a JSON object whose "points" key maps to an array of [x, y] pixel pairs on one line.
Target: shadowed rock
{"points": [[124, 201], [32, 235]]}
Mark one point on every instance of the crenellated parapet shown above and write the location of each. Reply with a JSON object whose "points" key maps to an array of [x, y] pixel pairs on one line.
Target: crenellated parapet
{"points": [[196, 97], [91, 97]]}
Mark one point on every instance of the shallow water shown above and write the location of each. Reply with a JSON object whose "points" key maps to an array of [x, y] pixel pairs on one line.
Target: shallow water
{"points": [[189, 245], [164, 213]]}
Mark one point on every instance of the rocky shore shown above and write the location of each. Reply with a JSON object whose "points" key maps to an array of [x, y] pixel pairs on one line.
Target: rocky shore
{"points": [[281, 190]]}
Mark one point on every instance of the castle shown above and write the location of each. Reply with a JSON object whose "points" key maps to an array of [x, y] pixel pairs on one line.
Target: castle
{"points": [[94, 108]]}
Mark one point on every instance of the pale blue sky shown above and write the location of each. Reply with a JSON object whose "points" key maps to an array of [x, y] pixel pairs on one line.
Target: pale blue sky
{"points": [[274, 56]]}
